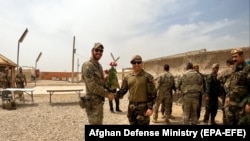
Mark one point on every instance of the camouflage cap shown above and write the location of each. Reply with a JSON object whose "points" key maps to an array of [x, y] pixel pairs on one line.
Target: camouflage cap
{"points": [[216, 65], [98, 45], [237, 50], [136, 58]]}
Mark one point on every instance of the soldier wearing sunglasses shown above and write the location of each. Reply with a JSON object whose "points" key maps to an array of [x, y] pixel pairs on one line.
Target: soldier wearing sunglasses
{"points": [[142, 93], [92, 74]]}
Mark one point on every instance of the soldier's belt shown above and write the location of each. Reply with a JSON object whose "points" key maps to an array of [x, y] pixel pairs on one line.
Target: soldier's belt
{"points": [[93, 96], [137, 103]]}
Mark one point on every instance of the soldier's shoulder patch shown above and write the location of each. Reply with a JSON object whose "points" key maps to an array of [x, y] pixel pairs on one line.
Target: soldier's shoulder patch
{"points": [[89, 74]]}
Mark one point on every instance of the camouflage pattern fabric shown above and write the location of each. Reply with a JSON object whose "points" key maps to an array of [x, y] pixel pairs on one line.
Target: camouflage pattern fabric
{"points": [[5, 80], [136, 114], [20, 80], [191, 87], [190, 105], [166, 85], [92, 74], [94, 109], [239, 93], [223, 77]]}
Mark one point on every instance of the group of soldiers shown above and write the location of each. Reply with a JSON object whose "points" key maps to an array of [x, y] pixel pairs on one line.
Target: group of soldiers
{"points": [[230, 86], [5, 81]]}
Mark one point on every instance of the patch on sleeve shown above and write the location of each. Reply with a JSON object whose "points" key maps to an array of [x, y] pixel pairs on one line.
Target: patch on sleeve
{"points": [[89, 74]]}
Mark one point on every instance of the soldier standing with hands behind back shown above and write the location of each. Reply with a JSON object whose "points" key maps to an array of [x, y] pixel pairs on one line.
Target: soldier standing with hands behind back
{"points": [[93, 76]]}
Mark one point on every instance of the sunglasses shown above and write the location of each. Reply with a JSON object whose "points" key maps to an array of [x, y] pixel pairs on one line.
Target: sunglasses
{"points": [[99, 50], [136, 62]]}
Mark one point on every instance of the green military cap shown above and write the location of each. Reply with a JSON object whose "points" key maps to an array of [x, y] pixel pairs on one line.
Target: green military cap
{"points": [[216, 65], [237, 50], [136, 58], [98, 45]]}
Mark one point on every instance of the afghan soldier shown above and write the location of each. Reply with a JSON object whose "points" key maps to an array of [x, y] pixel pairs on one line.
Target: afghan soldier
{"points": [[223, 77], [191, 87], [166, 86], [142, 93], [212, 94], [238, 97]]}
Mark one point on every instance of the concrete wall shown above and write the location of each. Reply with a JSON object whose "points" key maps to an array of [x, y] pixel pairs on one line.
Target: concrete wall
{"points": [[202, 57], [62, 76]]}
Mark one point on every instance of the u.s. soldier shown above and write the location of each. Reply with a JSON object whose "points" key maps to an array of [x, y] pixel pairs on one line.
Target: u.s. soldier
{"points": [[166, 86], [92, 74], [238, 97], [191, 87], [142, 93]]}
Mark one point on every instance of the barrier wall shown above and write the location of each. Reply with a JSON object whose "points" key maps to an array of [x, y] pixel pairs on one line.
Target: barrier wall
{"points": [[202, 57]]}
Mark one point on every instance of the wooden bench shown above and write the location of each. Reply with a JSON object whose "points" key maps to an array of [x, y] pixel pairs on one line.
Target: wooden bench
{"points": [[77, 91]]}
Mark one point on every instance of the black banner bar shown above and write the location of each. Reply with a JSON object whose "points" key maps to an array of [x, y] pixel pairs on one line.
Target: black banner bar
{"points": [[204, 132]]}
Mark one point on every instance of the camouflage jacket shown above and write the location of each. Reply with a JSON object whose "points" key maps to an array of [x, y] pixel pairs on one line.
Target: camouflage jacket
{"points": [[239, 84], [5, 80], [92, 75], [166, 84], [20, 78], [191, 82]]}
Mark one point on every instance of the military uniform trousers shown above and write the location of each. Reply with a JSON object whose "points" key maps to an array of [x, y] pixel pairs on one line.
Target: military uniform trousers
{"points": [[136, 113], [190, 107], [94, 109], [234, 114]]}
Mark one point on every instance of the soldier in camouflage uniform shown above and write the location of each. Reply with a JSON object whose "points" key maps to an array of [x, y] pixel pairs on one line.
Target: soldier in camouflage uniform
{"points": [[191, 87], [165, 88], [20, 82], [142, 93], [212, 94], [197, 69], [238, 97], [93, 76], [20, 79], [223, 77], [5, 79]]}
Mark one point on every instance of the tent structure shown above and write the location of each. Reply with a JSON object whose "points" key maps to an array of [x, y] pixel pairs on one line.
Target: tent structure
{"points": [[5, 62]]}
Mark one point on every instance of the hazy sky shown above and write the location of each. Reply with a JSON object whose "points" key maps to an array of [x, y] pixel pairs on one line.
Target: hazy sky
{"points": [[150, 28]]}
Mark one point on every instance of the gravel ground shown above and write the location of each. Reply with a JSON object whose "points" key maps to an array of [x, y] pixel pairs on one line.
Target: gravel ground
{"points": [[62, 120]]}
